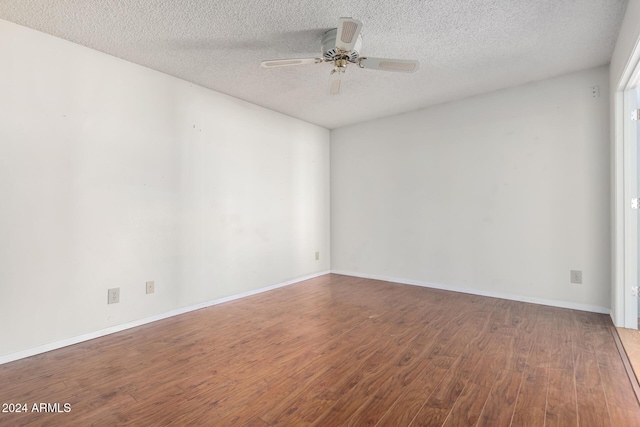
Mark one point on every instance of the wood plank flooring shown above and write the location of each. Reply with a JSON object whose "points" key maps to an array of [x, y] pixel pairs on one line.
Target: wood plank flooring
{"points": [[338, 350], [631, 341]]}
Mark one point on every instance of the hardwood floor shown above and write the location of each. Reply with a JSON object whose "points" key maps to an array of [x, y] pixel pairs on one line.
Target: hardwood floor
{"points": [[631, 341], [338, 350]]}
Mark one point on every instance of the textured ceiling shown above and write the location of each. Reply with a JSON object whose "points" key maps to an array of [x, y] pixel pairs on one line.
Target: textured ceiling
{"points": [[465, 47]]}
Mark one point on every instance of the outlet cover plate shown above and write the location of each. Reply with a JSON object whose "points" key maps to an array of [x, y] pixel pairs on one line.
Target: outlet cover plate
{"points": [[113, 296], [576, 276], [151, 287]]}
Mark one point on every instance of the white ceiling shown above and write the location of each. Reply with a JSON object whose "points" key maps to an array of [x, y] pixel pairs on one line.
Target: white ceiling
{"points": [[465, 47]]}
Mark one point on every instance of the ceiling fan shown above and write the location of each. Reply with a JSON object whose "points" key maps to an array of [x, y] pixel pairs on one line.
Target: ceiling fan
{"points": [[341, 46]]}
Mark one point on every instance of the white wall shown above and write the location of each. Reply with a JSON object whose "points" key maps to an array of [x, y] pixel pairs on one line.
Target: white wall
{"points": [[500, 194], [112, 174]]}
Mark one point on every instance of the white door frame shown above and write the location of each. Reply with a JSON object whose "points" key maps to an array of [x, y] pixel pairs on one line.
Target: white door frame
{"points": [[625, 187], [630, 144]]}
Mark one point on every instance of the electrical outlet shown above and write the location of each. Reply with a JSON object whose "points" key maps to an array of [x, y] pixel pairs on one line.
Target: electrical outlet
{"points": [[634, 291], [576, 276], [113, 296], [595, 91], [317, 256], [151, 287]]}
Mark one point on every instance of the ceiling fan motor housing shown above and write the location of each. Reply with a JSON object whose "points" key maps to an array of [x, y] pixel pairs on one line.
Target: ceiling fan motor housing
{"points": [[330, 52]]}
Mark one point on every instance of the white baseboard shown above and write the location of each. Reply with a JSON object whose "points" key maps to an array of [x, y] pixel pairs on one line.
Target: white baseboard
{"points": [[613, 320], [113, 329], [541, 301]]}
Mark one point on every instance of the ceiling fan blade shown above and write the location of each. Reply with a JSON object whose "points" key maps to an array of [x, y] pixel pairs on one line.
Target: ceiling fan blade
{"points": [[288, 62], [348, 32], [334, 84], [386, 64]]}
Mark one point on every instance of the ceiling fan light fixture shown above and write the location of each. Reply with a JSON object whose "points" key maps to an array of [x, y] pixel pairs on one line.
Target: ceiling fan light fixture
{"points": [[341, 46]]}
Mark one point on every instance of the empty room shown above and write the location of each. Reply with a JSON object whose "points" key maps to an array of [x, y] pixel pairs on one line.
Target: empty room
{"points": [[248, 213]]}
